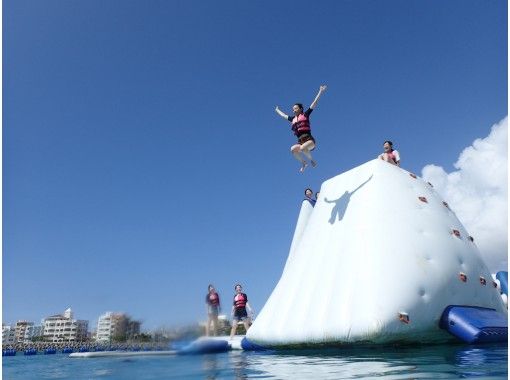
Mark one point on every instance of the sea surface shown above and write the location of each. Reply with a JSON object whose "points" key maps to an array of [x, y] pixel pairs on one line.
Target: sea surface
{"points": [[429, 362]]}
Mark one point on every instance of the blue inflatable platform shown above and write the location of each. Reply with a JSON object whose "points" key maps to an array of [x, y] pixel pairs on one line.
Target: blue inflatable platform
{"points": [[205, 346], [503, 281], [246, 345], [474, 324]]}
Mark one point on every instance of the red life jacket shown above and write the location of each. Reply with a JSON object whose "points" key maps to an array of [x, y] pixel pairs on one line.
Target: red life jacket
{"points": [[214, 299], [392, 156], [301, 124], [240, 300]]}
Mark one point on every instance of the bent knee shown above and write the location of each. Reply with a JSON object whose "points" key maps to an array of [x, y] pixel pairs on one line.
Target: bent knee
{"points": [[295, 148], [309, 145]]}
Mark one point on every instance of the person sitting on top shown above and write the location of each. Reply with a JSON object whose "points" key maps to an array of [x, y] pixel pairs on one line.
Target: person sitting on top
{"points": [[301, 128], [390, 155], [308, 196]]}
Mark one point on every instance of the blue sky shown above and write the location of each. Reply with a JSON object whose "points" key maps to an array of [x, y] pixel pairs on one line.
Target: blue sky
{"points": [[143, 159]]}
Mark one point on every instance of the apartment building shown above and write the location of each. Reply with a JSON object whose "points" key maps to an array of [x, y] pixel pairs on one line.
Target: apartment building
{"points": [[111, 326], [33, 332], [8, 335], [64, 328], [21, 329], [116, 326]]}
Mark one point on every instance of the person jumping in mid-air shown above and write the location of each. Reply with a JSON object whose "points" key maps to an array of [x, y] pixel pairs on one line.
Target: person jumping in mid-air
{"points": [[301, 128]]}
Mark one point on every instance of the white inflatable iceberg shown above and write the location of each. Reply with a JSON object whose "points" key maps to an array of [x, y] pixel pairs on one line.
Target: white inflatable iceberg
{"points": [[377, 260]]}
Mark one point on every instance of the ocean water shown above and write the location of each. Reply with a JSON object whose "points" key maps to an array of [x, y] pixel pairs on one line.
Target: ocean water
{"points": [[430, 362]]}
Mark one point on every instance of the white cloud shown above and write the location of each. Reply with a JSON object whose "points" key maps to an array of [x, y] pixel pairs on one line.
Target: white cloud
{"points": [[478, 192]]}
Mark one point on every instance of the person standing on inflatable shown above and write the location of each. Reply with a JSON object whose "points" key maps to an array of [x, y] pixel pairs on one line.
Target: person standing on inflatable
{"points": [[301, 128], [212, 303], [239, 310]]}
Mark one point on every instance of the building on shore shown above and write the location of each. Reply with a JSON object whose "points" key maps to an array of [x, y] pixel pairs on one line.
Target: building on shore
{"points": [[133, 329], [21, 330], [117, 327], [111, 326], [34, 332], [63, 328], [8, 335]]}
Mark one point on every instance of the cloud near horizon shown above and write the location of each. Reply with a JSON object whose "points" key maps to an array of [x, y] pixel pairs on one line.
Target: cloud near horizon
{"points": [[478, 193]]}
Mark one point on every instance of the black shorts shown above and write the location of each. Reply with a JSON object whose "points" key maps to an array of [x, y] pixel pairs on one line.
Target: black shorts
{"points": [[304, 138], [240, 314], [214, 310]]}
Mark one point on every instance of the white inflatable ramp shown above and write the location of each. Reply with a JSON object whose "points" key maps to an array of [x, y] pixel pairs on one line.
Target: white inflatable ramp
{"points": [[202, 345], [234, 343], [117, 354]]}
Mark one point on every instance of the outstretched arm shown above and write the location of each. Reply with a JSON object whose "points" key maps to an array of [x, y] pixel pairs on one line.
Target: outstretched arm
{"points": [[279, 112], [363, 184], [321, 90]]}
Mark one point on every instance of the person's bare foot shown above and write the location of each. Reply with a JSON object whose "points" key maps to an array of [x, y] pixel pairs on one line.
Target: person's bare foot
{"points": [[303, 167], [314, 164]]}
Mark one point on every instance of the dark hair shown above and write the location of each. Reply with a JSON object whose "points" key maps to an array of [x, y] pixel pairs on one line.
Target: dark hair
{"points": [[389, 142], [235, 287], [300, 105], [307, 190], [209, 287]]}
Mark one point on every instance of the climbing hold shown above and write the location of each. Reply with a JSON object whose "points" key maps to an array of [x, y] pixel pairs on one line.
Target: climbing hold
{"points": [[495, 284], [483, 281], [403, 317], [412, 175], [471, 238], [462, 277], [423, 199], [446, 205], [456, 233], [431, 185]]}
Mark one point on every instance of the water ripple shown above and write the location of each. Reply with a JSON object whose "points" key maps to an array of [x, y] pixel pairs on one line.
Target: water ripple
{"points": [[430, 362]]}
